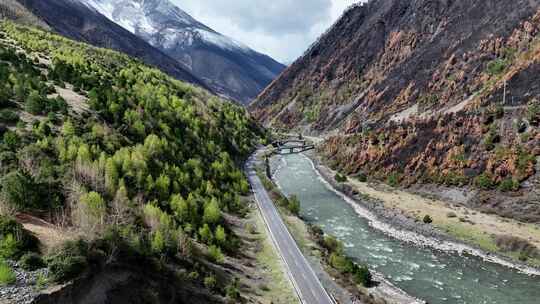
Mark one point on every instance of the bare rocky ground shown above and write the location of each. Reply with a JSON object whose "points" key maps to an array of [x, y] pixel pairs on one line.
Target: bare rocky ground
{"points": [[25, 289]]}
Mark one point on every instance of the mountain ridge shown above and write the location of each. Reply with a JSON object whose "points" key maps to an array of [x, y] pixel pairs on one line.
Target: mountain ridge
{"points": [[420, 92], [74, 20], [227, 66]]}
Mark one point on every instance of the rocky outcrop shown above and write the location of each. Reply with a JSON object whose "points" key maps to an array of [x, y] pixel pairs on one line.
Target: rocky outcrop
{"points": [[25, 287]]}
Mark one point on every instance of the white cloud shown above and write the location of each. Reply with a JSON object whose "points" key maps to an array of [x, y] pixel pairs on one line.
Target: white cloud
{"points": [[283, 29]]}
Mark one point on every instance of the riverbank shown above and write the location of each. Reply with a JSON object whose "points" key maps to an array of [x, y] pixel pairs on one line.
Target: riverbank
{"points": [[398, 214], [340, 287]]}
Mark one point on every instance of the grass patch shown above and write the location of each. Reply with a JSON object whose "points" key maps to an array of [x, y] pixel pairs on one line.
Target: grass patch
{"points": [[278, 288], [497, 67], [7, 276], [465, 233]]}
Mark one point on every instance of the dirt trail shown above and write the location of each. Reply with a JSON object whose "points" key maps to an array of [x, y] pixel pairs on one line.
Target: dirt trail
{"points": [[49, 235]]}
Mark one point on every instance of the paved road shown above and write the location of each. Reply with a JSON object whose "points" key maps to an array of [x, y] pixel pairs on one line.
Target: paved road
{"points": [[306, 283]]}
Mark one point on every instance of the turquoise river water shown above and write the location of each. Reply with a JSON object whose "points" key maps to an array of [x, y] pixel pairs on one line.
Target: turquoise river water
{"points": [[434, 276]]}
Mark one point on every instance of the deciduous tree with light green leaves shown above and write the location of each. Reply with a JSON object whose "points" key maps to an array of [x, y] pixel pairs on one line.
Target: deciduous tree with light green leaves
{"points": [[212, 213]]}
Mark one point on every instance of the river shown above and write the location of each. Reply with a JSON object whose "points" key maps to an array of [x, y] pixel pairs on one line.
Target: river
{"points": [[434, 276]]}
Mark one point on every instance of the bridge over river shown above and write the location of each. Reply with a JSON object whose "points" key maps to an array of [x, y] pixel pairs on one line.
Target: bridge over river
{"points": [[291, 146]]}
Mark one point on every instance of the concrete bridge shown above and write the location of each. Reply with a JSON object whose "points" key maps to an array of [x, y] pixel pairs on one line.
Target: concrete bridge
{"points": [[291, 146], [284, 147]]}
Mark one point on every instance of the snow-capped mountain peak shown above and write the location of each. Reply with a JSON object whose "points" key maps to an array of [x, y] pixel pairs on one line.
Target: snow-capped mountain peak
{"points": [[228, 66], [150, 17]]}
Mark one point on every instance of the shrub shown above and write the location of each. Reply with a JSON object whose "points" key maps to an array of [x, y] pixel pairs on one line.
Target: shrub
{"points": [[19, 191], [332, 244], [361, 177], [214, 254], [340, 178], [393, 179], [210, 282], [35, 104], [67, 268], [524, 160], [232, 291], [362, 275], [89, 214], [316, 231], [525, 137], [454, 179], [340, 262], [483, 181], [427, 219], [428, 99], [158, 242], [523, 256], [194, 275], [205, 234], [294, 205], [220, 236], [496, 67], [212, 213], [9, 247], [491, 138], [14, 240], [68, 261], [8, 116], [31, 261], [11, 140], [508, 184], [7, 276], [41, 281]]}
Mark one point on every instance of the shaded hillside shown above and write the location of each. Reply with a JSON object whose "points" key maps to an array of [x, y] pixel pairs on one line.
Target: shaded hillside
{"points": [[13, 10], [416, 87], [229, 67], [74, 20]]}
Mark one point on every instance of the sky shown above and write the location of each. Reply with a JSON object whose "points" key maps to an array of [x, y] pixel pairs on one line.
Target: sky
{"points": [[283, 29]]}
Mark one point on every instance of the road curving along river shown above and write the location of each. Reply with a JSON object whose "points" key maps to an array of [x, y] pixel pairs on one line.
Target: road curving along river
{"points": [[435, 276]]}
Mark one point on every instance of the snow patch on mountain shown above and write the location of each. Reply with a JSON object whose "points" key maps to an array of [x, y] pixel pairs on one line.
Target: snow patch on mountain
{"points": [[128, 14], [222, 41], [105, 8], [139, 17]]}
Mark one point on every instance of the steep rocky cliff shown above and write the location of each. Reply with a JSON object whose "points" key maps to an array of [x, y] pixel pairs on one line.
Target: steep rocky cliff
{"points": [[424, 91]]}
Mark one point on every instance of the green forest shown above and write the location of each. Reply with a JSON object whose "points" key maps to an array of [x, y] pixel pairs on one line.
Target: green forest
{"points": [[150, 166]]}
